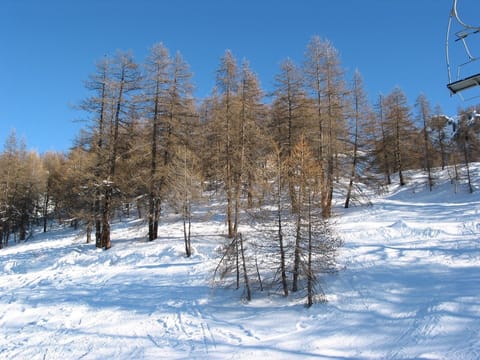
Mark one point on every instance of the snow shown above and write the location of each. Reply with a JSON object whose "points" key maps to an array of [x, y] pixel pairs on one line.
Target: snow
{"points": [[409, 288]]}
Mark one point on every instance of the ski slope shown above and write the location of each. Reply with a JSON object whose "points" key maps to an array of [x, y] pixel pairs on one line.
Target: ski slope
{"points": [[409, 288]]}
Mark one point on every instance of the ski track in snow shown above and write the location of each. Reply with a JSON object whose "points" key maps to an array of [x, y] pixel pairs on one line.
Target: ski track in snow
{"points": [[409, 289]]}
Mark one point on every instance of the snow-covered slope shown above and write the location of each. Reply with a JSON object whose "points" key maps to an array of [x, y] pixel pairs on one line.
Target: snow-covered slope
{"points": [[409, 289]]}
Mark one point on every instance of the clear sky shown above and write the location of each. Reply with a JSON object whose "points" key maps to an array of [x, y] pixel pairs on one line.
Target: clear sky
{"points": [[49, 47]]}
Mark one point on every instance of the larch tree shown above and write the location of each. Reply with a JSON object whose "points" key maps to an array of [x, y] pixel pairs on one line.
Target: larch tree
{"points": [[249, 135], [227, 120], [278, 185], [184, 181], [383, 150], [156, 84], [75, 188], [399, 128], [242, 147], [424, 114], [99, 106], [183, 175], [113, 84], [315, 245], [53, 164], [361, 131], [313, 69], [289, 113], [125, 79], [181, 115], [247, 149], [326, 85], [211, 141], [305, 176]]}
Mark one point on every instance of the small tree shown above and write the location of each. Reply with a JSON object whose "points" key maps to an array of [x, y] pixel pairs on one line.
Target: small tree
{"points": [[184, 184], [315, 247], [305, 177]]}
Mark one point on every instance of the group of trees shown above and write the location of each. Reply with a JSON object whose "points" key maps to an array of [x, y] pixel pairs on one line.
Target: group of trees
{"points": [[278, 163], [21, 174]]}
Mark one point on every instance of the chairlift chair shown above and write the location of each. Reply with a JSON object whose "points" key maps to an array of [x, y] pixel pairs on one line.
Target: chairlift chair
{"points": [[464, 84], [459, 84]]}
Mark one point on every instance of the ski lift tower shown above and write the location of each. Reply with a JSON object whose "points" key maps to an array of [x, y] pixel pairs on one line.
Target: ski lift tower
{"points": [[460, 37]]}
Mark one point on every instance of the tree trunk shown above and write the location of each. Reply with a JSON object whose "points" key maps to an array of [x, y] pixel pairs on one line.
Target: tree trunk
{"points": [[237, 261], [153, 197], [230, 226], [297, 256], [310, 277], [151, 215], [98, 223], [250, 191], [398, 153], [350, 183], [244, 265], [428, 164], [279, 228], [386, 164], [105, 237], [89, 232], [45, 207], [187, 226], [467, 164], [23, 225], [328, 197], [353, 173]]}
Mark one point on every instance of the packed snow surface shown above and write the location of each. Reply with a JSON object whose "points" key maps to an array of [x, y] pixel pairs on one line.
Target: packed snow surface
{"points": [[408, 289]]}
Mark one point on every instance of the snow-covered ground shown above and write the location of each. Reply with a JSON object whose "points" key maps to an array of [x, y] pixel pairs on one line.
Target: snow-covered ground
{"points": [[409, 289]]}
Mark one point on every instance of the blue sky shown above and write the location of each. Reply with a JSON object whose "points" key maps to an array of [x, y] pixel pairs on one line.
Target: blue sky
{"points": [[50, 47]]}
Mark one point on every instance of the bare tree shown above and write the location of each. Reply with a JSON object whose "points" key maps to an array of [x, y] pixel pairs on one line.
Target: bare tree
{"points": [[154, 93], [324, 81], [184, 183], [288, 112], [305, 177], [383, 150], [99, 106], [315, 246], [279, 181], [227, 83], [110, 106], [399, 127], [361, 126], [424, 116]]}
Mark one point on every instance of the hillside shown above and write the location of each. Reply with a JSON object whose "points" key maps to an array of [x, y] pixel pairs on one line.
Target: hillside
{"points": [[408, 289]]}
